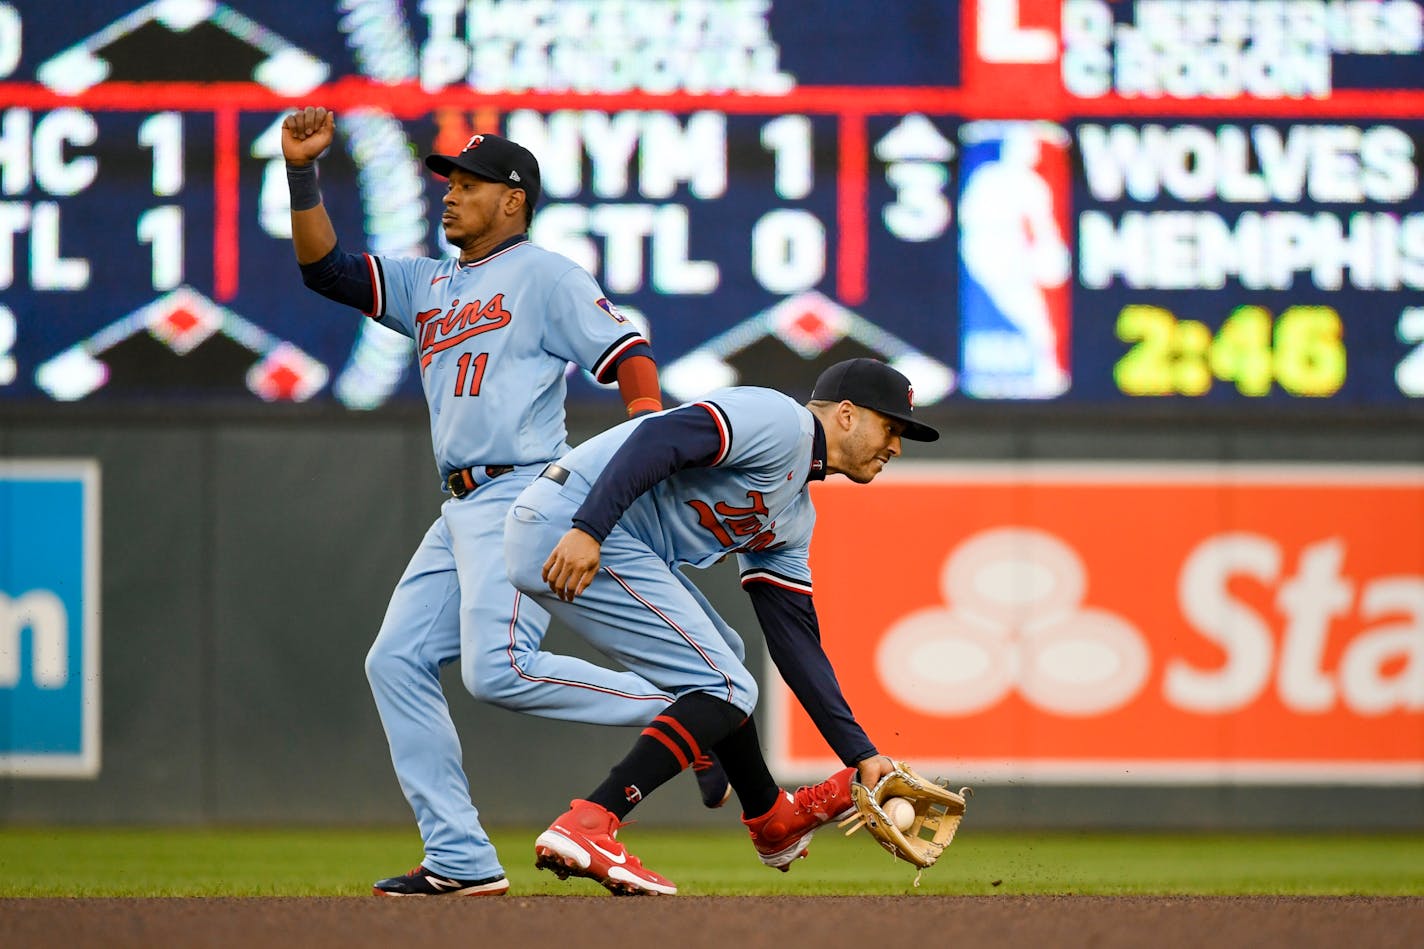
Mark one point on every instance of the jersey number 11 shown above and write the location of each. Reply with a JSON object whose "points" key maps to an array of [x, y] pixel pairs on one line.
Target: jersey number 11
{"points": [[464, 364]]}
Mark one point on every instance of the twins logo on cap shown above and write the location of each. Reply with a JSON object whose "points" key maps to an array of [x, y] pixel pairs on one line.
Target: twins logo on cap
{"points": [[872, 384], [493, 158], [474, 143]]}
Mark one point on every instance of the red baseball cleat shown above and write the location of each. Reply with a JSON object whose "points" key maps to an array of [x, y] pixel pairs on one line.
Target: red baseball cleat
{"points": [[583, 843], [783, 834]]}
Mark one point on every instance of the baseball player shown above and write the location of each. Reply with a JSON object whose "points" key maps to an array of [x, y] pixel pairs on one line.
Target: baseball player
{"points": [[494, 330], [597, 539]]}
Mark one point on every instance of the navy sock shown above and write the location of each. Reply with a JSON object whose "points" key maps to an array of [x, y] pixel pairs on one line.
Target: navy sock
{"points": [[668, 744], [741, 757]]}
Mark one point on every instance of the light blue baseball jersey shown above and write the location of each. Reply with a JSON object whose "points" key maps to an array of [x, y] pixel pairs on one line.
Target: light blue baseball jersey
{"points": [[752, 500], [494, 337]]}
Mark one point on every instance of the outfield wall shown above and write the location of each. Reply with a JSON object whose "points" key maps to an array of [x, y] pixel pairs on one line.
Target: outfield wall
{"points": [[243, 567]]}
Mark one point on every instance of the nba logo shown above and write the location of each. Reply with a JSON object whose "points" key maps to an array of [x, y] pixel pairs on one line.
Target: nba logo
{"points": [[1014, 262]]}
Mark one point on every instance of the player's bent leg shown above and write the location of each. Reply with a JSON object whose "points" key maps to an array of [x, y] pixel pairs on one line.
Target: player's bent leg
{"points": [[502, 631], [712, 781], [419, 633], [639, 615], [501, 664], [729, 635], [635, 611], [642, 613]]}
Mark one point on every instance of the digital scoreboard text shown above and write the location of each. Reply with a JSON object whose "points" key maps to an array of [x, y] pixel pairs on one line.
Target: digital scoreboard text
{"points": [[1066, 202]]}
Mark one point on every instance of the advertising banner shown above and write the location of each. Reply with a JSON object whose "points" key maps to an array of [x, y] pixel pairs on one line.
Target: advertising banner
{"points": [[1124, 623], [49, 618]]}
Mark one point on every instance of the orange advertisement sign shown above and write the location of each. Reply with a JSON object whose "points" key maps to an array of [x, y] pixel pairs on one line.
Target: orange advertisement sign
{"points": [[1121, 623]]}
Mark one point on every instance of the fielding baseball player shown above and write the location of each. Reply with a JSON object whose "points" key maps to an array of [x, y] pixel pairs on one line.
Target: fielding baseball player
{"points": [[598, 538], [494, 331]]}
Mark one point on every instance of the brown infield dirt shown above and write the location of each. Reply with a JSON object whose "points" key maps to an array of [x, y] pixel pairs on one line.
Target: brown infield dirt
{"points": [[726, 922]]}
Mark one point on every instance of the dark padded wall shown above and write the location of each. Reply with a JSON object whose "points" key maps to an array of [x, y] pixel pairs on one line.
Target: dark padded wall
{"points": [[246, 566]]}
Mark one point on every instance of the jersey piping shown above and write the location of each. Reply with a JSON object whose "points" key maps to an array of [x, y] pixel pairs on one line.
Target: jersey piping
{"points": [[610, 356], [731, 690], [762, 575], [378, 286], [519, 670], [724, 431]]}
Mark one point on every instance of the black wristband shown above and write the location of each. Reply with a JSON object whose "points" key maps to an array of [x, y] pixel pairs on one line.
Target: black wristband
{"points": [[303, 187]]}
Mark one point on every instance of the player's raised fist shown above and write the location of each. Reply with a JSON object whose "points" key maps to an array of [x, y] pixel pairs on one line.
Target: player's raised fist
{"points": [[306, 133]]}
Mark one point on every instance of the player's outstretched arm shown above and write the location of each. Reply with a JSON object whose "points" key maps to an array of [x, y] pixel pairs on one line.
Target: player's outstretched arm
{"points": [[793, 640], [306, 134]]}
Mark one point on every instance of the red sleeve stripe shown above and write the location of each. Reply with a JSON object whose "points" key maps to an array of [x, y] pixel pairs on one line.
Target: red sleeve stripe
{"points": [[378, 287], [724, 429], [610, 355], [776, 580]]}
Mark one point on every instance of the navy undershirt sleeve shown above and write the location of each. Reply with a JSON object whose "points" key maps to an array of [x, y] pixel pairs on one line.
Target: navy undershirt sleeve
{"points": [[683, 438], [343, 277], [793, 638]]}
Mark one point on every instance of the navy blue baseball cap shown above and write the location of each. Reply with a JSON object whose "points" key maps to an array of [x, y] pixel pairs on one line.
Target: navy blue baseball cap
{"points": [[495, 159], [871, 384]]}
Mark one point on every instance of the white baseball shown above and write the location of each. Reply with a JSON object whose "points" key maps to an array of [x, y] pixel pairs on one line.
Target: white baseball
{"points": [[900, 811]]}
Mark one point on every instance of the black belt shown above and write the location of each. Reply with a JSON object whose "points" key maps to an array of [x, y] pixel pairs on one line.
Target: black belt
{"points": [[462, 481], [555, 474]]}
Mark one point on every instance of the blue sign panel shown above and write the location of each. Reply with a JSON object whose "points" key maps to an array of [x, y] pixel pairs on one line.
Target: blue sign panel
{"points": [[49, 618]]}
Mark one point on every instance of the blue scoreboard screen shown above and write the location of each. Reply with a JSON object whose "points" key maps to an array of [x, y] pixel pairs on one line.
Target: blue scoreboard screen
{"points": [[1064, 202]]}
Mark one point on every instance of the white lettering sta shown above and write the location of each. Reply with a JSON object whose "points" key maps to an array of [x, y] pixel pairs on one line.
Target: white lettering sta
{"points": [[1242, 635], [1381, 668], [1365, 685], [1310, 601]]}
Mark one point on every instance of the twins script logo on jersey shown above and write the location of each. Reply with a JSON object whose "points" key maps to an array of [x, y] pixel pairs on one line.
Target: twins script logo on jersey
{"points": [[727, 522], [435, 333]]}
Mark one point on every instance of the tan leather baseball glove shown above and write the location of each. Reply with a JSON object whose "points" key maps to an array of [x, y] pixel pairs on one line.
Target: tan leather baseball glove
{"points": [[937, 813]]}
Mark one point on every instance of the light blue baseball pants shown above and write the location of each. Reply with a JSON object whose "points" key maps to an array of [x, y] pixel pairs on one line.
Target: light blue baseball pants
{"points": [[455, 601]]}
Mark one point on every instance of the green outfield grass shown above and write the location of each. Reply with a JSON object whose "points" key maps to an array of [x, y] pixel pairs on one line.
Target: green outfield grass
{"points": [[242, 862]]}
